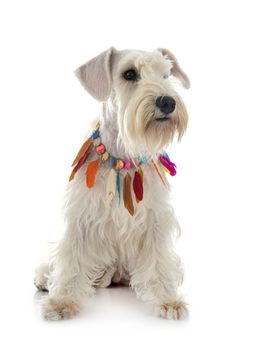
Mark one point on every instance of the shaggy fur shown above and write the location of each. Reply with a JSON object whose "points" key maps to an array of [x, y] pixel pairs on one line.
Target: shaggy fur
{"points": [[104, 243]]}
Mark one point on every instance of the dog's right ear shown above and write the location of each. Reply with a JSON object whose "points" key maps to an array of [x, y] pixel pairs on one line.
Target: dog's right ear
{"points": [[176, 69], [95, 75]]}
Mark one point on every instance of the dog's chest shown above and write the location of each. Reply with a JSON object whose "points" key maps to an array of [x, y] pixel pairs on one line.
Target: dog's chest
{"points": [[114, 212]]}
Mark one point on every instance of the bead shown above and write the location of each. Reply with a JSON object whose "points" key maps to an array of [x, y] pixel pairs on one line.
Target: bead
{"points": [[119, 164], [112, 161], [96, 134], [97, 142], [142, 160], [100, 149], [105, 156], [127, 164]]}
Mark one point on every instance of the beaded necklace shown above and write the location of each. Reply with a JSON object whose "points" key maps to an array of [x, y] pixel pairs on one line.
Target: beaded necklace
{"points": [[117, 165]]}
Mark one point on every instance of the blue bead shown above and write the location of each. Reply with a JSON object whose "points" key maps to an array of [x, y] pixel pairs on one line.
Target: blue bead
{"points": [[96, 134], [112, 161], [142, 160]]}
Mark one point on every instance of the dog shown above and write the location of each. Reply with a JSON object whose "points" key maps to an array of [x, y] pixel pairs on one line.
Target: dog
{"points": [[119, 224]]}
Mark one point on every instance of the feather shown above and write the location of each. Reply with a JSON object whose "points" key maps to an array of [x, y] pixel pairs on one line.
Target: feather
{"points": [[111, 186], [81, 162], [140, 171], [91, 172], [97, 126], [82, 150], [72, 175], [158, 172], [127, 198], [118, 187], [167, 165], [138, 186], [165, 154], [160, 167]]}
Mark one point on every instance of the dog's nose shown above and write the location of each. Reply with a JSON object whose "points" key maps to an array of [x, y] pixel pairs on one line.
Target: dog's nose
{"points": [[166, 104]]}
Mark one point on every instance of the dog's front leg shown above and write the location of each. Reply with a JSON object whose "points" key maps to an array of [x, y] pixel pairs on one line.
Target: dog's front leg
{"points": [[68, 283], [156, 277]]}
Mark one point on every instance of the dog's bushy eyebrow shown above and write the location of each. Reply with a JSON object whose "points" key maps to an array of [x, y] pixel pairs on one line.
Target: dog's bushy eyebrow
{"points": [[128, 64], [143, 62]]}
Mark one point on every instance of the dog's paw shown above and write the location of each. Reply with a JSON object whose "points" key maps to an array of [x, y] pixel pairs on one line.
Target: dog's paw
{"points": [[174, 310], [60, 309]]}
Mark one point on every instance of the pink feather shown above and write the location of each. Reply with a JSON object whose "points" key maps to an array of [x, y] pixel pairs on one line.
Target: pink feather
{"points": [[168, 164]]}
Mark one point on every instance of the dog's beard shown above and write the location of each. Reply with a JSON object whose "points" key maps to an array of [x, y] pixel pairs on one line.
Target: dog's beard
{"points": [[142, 133]]}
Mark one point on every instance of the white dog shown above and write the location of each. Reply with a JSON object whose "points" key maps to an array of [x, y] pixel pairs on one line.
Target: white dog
{"points": [[119, 225]]}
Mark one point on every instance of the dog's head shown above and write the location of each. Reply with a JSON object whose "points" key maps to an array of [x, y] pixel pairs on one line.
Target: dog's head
{"points": [[139, 86]]}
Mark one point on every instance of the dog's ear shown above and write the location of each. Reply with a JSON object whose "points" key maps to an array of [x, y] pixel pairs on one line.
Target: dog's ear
{"points": [[95, 75], [176, 70]]}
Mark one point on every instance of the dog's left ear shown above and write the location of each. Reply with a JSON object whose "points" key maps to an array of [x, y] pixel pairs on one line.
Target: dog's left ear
{"points": [[95, 75], [176, 70]]}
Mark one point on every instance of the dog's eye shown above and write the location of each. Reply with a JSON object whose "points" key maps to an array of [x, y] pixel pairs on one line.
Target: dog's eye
{"points": [[130, 75], [165, 76]]}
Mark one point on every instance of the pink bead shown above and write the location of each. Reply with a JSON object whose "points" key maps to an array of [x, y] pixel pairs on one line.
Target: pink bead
{"points": [[127, 164], [100, 149]]}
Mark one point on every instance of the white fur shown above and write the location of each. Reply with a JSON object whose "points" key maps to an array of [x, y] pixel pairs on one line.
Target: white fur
{"points": [[102, 241]]}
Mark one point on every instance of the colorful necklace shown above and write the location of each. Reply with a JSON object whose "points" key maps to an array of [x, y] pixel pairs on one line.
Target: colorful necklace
{"points": [[117, 165]]}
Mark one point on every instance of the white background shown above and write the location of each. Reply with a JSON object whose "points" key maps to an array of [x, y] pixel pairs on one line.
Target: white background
{"points": [[44, 115]]}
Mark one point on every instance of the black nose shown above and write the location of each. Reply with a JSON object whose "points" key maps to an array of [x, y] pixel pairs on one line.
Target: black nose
{"points": [[166, 104]]}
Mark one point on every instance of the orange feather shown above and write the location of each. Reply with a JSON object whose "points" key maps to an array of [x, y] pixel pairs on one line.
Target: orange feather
{"points": [[81, 162], [82, 150], [73, 173], [140, 171], [91, 172], [158, 172], [127, 198]]}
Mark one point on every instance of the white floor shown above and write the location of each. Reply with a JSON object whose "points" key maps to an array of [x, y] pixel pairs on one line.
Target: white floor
{"points": [[113, 303], [115, 319]]}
